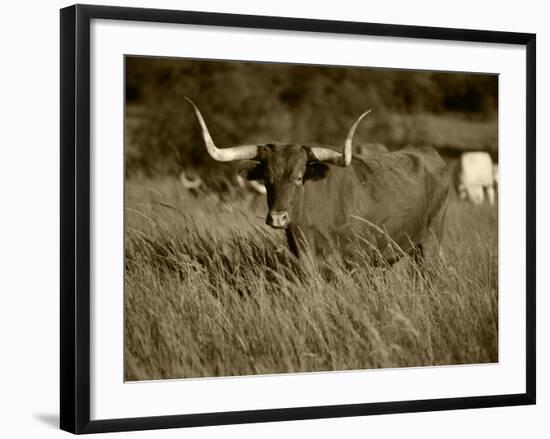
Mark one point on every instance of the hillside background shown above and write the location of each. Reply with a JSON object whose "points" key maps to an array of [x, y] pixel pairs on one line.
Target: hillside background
{"points": [[249, 102]]}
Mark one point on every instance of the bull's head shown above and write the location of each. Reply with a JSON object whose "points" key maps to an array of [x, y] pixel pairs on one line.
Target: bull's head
{"points": [[283, 168]]}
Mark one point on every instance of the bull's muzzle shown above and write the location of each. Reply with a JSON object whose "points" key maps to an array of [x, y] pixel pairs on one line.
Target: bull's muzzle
{"points": [[278, 219]]}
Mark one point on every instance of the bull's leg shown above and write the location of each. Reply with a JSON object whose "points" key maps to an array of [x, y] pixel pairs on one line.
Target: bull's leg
{"points": [[462, 192], [429, 258], [302, 247], [418, 255], [292, 243], [476, 195], [314, 252], [417, 266], [432, 245], [490, 194], [414, 266]]}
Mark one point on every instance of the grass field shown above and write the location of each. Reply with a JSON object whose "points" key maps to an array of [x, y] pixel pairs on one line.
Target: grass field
{"points": [[211, 291]]}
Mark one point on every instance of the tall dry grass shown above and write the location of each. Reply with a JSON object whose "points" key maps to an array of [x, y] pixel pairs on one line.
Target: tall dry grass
{"points": [[211, 291]]}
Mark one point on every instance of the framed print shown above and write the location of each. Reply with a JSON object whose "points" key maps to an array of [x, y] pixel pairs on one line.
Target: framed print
{"points": [[268, 218]]}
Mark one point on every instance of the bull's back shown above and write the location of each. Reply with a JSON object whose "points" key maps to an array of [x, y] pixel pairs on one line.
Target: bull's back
{"points": [[395, 194], [405, 190]]}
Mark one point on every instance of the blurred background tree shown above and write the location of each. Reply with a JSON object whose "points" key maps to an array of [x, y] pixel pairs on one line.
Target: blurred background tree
{"points": [[250, 102]]}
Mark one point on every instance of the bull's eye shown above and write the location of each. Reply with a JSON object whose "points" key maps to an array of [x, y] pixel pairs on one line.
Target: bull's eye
{"points": [[298, 179]]}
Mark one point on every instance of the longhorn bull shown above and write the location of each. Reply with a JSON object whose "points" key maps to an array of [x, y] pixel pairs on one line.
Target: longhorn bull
{"points": [[326, 201]]}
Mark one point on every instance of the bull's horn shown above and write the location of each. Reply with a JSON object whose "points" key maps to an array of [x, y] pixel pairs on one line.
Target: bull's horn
{"points": [[340, 159], [245, 152]]}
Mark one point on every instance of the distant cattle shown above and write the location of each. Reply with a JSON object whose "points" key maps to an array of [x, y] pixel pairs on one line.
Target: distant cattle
{"points": [[222, 189], [252, 186], [476, 177], [326, 201], [252, 192], [191, 182]]}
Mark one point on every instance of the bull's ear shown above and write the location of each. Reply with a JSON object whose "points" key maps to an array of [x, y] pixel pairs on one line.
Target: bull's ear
{"points": [[256, 173], [316, 171]]}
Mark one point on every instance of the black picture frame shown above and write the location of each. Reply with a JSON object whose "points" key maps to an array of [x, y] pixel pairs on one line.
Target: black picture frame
{"points": [[75, 217]]}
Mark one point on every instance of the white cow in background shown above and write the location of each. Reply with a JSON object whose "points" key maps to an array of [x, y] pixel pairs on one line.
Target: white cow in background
{"points": [[476, 177], [192, 182]]}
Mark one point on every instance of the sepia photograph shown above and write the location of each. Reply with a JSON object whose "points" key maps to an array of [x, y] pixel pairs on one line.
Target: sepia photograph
{"points": [[293, 218]]}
